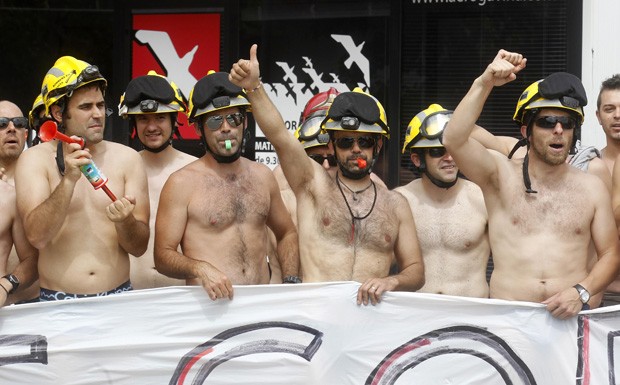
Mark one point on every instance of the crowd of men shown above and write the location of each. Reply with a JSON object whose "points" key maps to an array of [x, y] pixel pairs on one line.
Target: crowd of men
{"points": [[165, 218]]}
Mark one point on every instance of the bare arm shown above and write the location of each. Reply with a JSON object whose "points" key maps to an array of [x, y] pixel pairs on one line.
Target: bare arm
{"points": [[169, 231], [280, 222], [297, 167], [26, 271], [615, 194], [566, 303], [598, 167], [471, 156], [501, 144], [130, 214], [408, 256], [43, 210]]}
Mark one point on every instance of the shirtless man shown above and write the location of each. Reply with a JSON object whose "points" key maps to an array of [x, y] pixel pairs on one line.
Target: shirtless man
{"points": [[18, 259], [450, 212], [350, 228], [84, 240], [319, 149], [152, 104], [608, 115], [543, 213], [217, 207]]}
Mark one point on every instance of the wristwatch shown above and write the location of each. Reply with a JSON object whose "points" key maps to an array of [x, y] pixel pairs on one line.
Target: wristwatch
{"points": [[13, 281], [584, 295], [291, 279]]}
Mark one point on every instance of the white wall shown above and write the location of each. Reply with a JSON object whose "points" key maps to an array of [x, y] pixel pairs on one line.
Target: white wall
{"points": [[600, 59]]}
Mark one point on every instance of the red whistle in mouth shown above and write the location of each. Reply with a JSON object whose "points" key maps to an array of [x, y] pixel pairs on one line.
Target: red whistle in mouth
{"points": [[361, 163]]}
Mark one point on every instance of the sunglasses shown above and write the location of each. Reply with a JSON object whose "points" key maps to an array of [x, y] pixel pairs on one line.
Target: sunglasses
{"points": [[437, 152], [550, 122], [362, 141], [331, 159], [215, 122], [19, 122]]}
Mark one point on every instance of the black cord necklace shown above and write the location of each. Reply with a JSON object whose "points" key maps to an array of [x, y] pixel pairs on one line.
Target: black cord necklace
{"points": [[353, 216], [354, 193]]}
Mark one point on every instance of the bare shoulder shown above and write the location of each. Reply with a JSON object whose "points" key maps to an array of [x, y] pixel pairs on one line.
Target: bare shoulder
{"points": [[121, 150], [598, 167], [409, 190]]}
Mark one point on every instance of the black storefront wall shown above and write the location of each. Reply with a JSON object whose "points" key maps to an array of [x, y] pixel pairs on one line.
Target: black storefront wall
{"points": [[419, 51]]}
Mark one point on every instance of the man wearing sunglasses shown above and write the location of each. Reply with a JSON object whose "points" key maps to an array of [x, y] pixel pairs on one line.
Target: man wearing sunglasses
{"points": [[449, 211], [152, 104], [84, 240], [18, 258], [350, 228], [218, 207], [543, 213]]}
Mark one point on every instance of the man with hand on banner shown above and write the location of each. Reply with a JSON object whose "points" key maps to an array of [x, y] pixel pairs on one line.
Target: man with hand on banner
{"points": [[217, 207], [449, 210], [84, 241], [350, 227], [543, 213], [152, 104]]}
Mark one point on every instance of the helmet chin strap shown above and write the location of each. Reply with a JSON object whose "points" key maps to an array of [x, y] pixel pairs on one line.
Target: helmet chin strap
{"points": [[440, 183], [435, 181], [166, 143], [160, 148]]}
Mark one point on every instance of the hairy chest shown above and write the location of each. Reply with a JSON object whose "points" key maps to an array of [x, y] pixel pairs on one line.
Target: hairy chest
{"points": [[220, 202]]}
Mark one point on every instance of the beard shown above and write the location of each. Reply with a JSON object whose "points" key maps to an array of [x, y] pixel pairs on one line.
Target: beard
{"points": [[543, 152]]}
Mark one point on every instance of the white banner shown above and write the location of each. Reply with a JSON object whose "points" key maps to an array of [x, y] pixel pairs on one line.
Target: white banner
{"points": [[302, 334]]}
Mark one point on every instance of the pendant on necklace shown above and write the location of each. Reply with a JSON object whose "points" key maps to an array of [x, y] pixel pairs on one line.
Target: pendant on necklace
{"points": [[354, 196]]}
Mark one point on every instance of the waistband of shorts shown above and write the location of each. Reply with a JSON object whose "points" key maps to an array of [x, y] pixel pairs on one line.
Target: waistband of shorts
{"points": [[53, 295]]}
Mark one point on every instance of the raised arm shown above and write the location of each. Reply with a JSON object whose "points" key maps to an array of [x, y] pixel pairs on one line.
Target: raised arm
{"points": [[501, 144], [471, 156], [297, 167]]}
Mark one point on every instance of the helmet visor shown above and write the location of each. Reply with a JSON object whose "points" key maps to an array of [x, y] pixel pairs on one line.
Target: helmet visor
{"points": [[434, 124], [311, 128]]}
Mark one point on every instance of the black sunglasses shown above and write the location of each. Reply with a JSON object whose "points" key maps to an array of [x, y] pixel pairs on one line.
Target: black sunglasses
{"points": [[362, 141], [331, 159], [18, 122], [437, 152], [549, 122], [215, 122]]}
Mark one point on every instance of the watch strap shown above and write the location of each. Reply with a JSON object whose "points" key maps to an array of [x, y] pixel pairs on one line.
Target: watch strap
{"points": [[582, 290], [13, 281], [291, 279]]}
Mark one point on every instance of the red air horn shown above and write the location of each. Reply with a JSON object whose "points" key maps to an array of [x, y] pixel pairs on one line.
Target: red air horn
{"points": [[49, 131]]}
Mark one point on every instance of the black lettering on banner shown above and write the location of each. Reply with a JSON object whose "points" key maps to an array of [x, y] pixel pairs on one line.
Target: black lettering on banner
{"points": [[468, 340], [265, 344], [37, 344], [611, 338]]}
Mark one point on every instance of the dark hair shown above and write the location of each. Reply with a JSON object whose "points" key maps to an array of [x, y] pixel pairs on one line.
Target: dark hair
{"points": [[613, 83]]}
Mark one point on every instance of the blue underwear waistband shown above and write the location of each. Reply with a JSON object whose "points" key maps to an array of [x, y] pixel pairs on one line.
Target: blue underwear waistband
{"points": [[53, 295]]}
